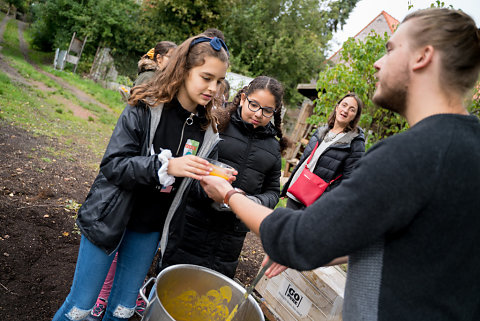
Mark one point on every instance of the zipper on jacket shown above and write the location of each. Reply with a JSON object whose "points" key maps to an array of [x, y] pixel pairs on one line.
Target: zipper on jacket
{"points": [[247, 152], [188, 121]]}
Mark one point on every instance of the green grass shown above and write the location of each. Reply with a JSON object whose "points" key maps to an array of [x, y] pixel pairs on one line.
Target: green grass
{"points": [[45, 61], [105, 96], [24, 107], [11, 52], [39, 57], [40, 113], [281, 202]]}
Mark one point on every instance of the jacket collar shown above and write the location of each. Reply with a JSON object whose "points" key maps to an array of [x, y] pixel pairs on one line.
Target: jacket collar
{"points": [[145, 64], [346, 139]]}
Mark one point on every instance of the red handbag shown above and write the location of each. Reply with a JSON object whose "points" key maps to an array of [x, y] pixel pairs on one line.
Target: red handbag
{"points": [[308, 187]]}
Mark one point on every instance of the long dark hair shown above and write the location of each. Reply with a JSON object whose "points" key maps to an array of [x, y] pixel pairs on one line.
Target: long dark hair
{"points": [[276, 89], [354, 122], [165, 85]]}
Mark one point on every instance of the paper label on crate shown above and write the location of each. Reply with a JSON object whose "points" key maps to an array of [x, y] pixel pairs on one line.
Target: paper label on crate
{"points": [[292, 295]]}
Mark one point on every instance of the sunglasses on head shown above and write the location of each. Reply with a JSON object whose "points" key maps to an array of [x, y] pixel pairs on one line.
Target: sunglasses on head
{"points": [[215, 42]]}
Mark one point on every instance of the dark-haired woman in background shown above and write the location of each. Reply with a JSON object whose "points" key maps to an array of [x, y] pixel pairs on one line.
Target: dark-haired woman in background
{"points": [[341, 143], [155, 59]]}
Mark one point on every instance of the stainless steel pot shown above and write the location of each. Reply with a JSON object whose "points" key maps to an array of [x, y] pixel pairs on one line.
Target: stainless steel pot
{"points": [[177, 279]]}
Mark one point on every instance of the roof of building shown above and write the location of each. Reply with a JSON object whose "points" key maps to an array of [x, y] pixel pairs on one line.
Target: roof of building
{"points": [[392, 24]]}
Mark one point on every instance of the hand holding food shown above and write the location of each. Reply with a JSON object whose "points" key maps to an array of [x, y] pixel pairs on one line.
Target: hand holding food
{"points": [[222, 170], [216, 187], [189, 166]]}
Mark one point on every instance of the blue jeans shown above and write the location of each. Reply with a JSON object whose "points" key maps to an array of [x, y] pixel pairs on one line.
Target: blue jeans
{"points": [[135, 255]]}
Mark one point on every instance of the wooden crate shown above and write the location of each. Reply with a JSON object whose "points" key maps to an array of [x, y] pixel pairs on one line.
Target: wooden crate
{"points": [[312, 295]]}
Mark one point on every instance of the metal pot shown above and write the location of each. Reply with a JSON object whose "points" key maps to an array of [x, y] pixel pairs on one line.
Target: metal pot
{"points": [[177, 279]]}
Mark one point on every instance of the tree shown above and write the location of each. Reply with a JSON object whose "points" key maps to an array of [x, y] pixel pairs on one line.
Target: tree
{"points": [[283, 39], [177, 20], [21, 5], [56, 20]]}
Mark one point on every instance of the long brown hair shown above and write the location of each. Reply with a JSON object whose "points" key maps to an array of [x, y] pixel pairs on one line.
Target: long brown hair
{"points": [[455, 35], [276, 89], [165, 85], [354, 122]]}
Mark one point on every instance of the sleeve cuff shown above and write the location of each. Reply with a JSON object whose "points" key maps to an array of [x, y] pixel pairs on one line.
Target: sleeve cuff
{"points": [[163, 177], [255, 199]]}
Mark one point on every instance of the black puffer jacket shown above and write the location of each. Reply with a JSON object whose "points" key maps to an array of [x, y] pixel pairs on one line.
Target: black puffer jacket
{"points": [[214, 238], [339, 159]]}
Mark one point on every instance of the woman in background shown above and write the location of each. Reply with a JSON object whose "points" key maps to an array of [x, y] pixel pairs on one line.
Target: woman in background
{"points": [[340, 144], [155, 59]]}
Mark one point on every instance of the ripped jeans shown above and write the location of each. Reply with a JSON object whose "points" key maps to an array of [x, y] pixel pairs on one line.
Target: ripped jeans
{"points": [[135, 255]]}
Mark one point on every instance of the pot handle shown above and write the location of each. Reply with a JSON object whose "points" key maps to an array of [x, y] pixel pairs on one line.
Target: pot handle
{"points": [[142, 289]]}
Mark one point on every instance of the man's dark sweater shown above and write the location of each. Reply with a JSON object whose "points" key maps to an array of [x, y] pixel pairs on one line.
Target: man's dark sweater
{"points": [[408, 217]]}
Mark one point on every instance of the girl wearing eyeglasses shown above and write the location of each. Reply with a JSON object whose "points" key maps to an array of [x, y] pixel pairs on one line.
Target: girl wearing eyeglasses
{"points": [[213, 236]]}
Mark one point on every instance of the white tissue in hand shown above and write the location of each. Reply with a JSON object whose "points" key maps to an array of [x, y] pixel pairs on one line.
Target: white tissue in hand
{"points": [[163, 177]]}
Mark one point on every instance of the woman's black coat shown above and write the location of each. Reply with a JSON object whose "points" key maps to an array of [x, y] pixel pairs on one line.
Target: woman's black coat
{"points": [[339, 159]]}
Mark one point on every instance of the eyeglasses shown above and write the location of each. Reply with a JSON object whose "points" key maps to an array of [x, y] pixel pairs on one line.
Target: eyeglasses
{"points": [[266, 111]]}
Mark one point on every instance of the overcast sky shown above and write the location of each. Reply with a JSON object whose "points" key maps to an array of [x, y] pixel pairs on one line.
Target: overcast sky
{"points": [[366, 10]]}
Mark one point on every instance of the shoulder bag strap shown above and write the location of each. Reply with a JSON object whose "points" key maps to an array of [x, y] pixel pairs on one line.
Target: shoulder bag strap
{"points": [[311, 155]]}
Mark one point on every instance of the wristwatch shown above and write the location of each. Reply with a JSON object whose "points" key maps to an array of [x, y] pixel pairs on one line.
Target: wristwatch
{"points": [[230, 193]]}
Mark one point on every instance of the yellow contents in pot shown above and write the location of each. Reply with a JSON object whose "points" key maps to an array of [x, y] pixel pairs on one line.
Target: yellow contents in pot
{"points": [[232, 314], [190, 306], [234, 311]]}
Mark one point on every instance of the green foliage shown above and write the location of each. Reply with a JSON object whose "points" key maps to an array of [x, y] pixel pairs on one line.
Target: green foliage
{"points": [[356, 74], [176, 20], [474, 103], [107, 23], [42, 112], [283, 39], [21, 5]]}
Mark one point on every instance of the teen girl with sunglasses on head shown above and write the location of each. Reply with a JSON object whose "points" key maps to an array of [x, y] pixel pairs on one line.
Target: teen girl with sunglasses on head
{"points": [[148, 168], [155, 59], [213, 236]]}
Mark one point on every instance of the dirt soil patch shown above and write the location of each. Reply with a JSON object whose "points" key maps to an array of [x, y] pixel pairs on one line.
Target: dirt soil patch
{"points": [[38, 240]]}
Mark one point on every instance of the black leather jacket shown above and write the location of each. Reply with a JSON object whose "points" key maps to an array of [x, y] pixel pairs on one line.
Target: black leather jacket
{"points": [[126, 164]]}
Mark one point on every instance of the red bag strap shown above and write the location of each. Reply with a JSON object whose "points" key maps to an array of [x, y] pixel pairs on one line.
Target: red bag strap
{"points": [[313, 152], [333, 180]]}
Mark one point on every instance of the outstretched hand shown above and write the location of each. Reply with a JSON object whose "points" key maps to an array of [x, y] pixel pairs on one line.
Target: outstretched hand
{"points": [[189, 166], [215, 187], [275, 269]]}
